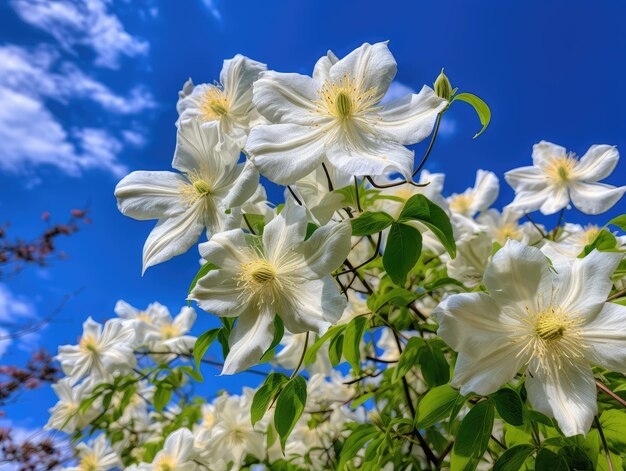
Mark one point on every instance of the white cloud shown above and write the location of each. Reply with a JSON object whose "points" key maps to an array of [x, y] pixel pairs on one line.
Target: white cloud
{"points": [[211, 6], [87, 23], [14, 310]]}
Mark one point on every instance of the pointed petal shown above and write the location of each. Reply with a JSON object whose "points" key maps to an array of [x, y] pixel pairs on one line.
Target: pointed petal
{"points": [[605, 337], [179, 444], [544, 152], [285, 153], [326, 249], [567, 393], [411, 118], [526, 178], [237, 76], [485, 191], [597, 163], [150, 195], [372, 66], [284, 233], [173, 236], [595, 198], [249, 339], [244, 187], [557, 200], [321, 71]]}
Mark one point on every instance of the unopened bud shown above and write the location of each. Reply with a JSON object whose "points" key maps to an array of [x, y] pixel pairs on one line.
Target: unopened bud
{"points": [[443, 89]]}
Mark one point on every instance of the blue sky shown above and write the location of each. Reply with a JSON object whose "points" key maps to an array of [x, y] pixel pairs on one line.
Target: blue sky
{"points": [[88, 92]]}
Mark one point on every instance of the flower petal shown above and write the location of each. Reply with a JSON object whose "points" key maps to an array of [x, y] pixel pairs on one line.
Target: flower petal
{"points": [[284, 233], [319, 304], [373, 66], [583, 284], [173, 236], [285, 153], [326, 249], [595, 198], [249, 339], [411, 118], [544, 152], [597, 163], [237, 76], [519, 275], [605, 337], [567, 393], [485, 192], [531, 200], [557, 200], [286, 98], [179, 445], [526, 178], [321, 71], [244, 187], [150, 195]]}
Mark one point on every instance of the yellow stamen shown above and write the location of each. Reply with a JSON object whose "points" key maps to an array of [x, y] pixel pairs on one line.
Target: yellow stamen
{"points": [[345, 99], [560, 170], [88, 462], [88, 344], [215, 104], [460, 203]]}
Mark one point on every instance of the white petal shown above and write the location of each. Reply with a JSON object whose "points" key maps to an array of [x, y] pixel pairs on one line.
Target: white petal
{"points": [[218, 293], [373, 66], [605, 338], [595, 198], [327, 248], [185, 319], [473, 324], [364, 155], [286, 98], [526, 178], [173, 236], [285, 153], [544, 152], [597, 163], [558, 199], [244, 187], [568, 394], [531, 200], [318, 305], [284, 233], [237, 76], [179, 444], [150, 195], [321, 71], [520, 275], [488, 373], [249, 339], [226, 249], [485, 191], [411, 118], [583, 284]]}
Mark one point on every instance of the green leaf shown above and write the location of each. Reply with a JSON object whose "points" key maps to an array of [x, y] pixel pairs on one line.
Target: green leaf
{"points": [[509, 406], [613, 423], [361, 400], [576, 458], [473, 436], [352, 341], [335, 350], [481, 108], [415, 208], [162, 396], [604, 241], [369, 223], [206, 268], [202, 345], [408, 358], [547, 459], [264, 395], [436, 220], [436, 406], [619, 221], [289, 407], [513, 458], [435, 368], [355, 443], [397, 296], [404, 246], [279, 331], [331, 333]]}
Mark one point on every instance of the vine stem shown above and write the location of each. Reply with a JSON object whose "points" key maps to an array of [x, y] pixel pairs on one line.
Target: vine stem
{"points": [[306, 344], [604, 388], [604, 443], [430, 146]]}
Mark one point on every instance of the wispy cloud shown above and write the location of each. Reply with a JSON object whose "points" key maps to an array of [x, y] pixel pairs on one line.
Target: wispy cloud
{"points": [[211, 6], [14, 311], [87, 23]]}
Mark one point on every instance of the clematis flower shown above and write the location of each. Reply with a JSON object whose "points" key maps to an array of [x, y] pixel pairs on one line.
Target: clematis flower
{"points": [[211, 183], [100, 351], [478, 198], [96, 456], [227, 106], [502, 226], [177, 454], [65, 415], [572, 240], [472, 256], [336, 117], [557, 176], [278, 274], [555, 323]]}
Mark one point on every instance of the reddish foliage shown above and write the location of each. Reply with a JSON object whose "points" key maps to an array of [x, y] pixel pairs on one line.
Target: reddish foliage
{"points": [[32, 454], [40, 369]]}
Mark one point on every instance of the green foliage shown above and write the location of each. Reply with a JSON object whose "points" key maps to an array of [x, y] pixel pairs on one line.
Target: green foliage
{"points": [[513, 458], [369, 223], [404, 246], [266, 394], [473, 436], [481, 108], [509, 406], [436, 405], [289, 407], [352, 341]]}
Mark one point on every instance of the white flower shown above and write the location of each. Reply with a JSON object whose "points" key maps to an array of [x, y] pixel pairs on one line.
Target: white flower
{"points": [[472, 256], [556, 323], [177, 454], [278, 274], [96, 456], [100, 351], [226, 106], [211, 183], [336, 117], [65, 414], [289, 356], [572, 239], [502, 226], [168, 334], [478, 198], [153, 314], [557, 176]]}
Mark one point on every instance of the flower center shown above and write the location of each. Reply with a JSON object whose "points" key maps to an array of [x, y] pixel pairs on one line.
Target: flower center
{"points": [[201, 187], [460, 203], [507, 231], [198, 187], [89, 462], [550, 327], [345, 99], [215, 104], [165, 463], [343, 105], [89, 344], [169, 331], [560, 170], [259, 272]]}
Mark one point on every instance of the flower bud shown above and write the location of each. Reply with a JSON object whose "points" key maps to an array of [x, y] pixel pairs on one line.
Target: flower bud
{"points": [[443, 89]]}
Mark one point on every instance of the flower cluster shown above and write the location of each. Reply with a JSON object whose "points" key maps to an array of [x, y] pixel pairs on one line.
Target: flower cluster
{"points": [[406, 326]]}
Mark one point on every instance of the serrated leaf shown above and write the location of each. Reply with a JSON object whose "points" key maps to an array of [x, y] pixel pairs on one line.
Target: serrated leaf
{"points": [[403, 249], [481, 108], [289, 407], [370, 222]]}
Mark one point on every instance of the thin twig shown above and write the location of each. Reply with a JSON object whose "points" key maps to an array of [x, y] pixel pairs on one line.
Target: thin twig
{"points": [[430, 146], [604, 388], [372, 258], [604, 444], [245, 218], [356, 189], [295, 197], [328, 179]]}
